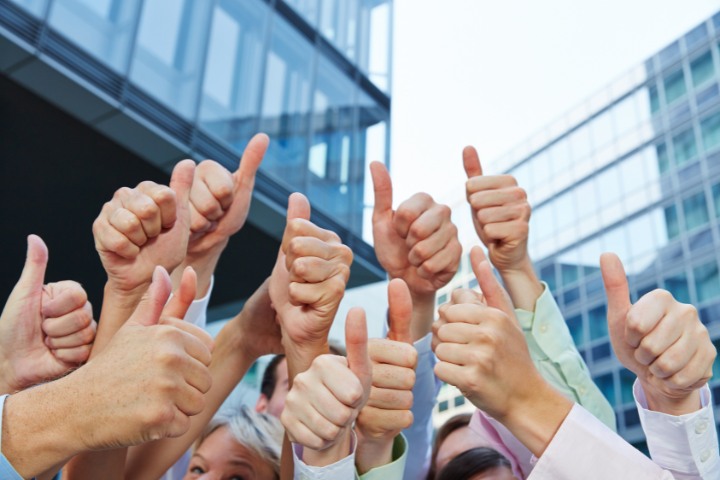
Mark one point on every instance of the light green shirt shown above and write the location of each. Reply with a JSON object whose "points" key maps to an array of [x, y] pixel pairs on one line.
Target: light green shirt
{"points": [[556, 357], [396, 468]]}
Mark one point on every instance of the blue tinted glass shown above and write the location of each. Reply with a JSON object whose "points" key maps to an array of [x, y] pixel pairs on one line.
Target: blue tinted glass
{"points": [[695, 209], [35, 7], [627, 379], [702, 68], [597, 318], [671, 221], [707, 281], [678, 286], [696, 36], [606, 385], [716, 198], [684, 146], [575, 324], [103, 28], [663, 158], [233, 71], [707, 97], [571, 296], [601, 352], [547, 273], [711, 131], [674, 86]]}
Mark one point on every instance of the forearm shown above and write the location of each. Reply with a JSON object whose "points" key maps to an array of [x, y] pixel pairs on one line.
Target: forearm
{"points": [[423, 315], [204, 265], [373, 453], [117, 307], [522, 285], [332, 454], [658, 402], [300, 357], [230, 362]]}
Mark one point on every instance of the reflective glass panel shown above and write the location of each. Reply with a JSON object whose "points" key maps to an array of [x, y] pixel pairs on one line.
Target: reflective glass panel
{"points": [[678, 285], [338, 23], [707, 281], [674, 86], [606, 385], [374, 43], [233, 71], [684, 147], [308, 9], [103, 28], [695, 210], [711, 131], [702, 68], [597, 318], [35, 7]]}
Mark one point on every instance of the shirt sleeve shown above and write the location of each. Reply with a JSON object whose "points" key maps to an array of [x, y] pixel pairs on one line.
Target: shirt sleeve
{"points": [[425, 391], [343, 469], [197, 312], [584, 447], [7, 472], [395, 469], [686, 445], [556, 357]]}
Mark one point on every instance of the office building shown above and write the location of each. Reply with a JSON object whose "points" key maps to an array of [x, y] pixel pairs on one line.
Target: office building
{"points": [[634, 170], [97, 94]]}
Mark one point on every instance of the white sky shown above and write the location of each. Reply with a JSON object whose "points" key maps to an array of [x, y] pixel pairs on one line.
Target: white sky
{"points": [[491, 73]]}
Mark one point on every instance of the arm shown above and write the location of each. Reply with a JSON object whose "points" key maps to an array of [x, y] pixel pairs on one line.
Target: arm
{"points": [[417, 243], [387, 412], [42, 427], [666, 345], [45, 330]]}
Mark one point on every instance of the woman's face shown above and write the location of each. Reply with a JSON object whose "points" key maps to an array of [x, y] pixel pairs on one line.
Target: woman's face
{"points": [[221, 457]]}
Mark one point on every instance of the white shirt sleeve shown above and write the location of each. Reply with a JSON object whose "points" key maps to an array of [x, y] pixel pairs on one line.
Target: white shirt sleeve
{"points": [[584, 447], [197, 312], [686, 445], [343, 469]]}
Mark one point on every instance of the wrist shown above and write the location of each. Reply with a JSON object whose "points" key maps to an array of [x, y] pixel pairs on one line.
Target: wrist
{"points": [[334, 453], [373, 452], [204, 264], [300, 356], [122, 296], [423, 314], [522, 284], [676, 406]]}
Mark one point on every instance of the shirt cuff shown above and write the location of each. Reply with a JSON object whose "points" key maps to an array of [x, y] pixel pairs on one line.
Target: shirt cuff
{"points": [[340, 470], [685, 444], [396, 468], [7, 472], [197, 312]]}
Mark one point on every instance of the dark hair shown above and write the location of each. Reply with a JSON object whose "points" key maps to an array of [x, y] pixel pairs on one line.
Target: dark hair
{"points": [[454, 423], [267, 387], [472, 462]]}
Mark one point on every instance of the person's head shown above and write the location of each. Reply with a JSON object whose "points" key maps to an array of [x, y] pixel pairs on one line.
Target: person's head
{"points": [[480, 463], [274, 387], [242, 446], [453, 438]]}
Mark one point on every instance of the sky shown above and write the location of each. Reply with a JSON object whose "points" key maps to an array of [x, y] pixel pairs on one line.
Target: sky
{"points": [[491, 73]]}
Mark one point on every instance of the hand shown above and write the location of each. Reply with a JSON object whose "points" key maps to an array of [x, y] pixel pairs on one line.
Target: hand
{"points": [[144, 227], [417, 243], [151, 377], [325, 400], [220, 200], [309, 278], [394, 359], [660, 340], [481, 348], [500, 214], [45, 331]]}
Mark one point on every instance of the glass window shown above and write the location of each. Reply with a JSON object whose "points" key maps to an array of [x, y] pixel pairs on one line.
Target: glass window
{"points": [[442, 299], [716, 363], [285, 111], [671, 222], [606, 384], [374, 43], [602, 129], [663, 158], [459, 401], [443, 406], [103, 28], [338, 23], [564, 210], [575, 324], [716, 198], [684, 146], [308, 9], [711, 131], [597, 319], [170, 46], [232, 83], [702, 68], [474, 283], [580, 147], [608, 183], [625, 115], [695, 209], [678, 285], [654, 99], [632, 173], [35, 7], [372, 144], [547, 274], [674, 86], [707, 281]]}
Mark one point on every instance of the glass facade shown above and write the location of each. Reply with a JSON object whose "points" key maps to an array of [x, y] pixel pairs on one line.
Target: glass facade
{"points": [[313, 74], [639, 176]]}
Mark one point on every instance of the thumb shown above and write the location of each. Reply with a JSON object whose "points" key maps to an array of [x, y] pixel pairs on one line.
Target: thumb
{"points": [[180, 302], [181, 182], [250, 162], [617, 291], [495, 295], [356, 344], [471, 162], [33, 274], [151, 306], [382, 187], [298, 207], [400, 311]]}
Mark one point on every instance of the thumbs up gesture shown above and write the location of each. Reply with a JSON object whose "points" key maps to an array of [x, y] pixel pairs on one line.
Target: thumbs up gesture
{"points": [[152, 375], [394, 359], [45, 330], [307, 284], [324, 400], [660, 340]]}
